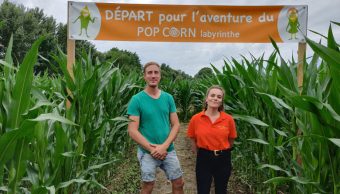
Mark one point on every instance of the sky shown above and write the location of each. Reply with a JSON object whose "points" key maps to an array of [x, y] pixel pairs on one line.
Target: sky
{"points": [[191, 57]]}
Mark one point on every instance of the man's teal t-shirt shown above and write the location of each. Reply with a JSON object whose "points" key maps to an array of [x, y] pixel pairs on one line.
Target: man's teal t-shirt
{"points": [[154, 115]]}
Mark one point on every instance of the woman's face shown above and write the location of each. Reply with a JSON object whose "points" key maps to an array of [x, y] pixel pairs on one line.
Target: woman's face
{"points": [[214, 98]]}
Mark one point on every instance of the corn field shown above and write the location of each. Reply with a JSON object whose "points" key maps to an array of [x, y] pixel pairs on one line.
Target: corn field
{"points": [[288, 142], [48, 148], [289, 137]]}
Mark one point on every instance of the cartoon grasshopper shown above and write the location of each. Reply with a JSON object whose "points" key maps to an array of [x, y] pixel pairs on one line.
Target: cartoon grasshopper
{"points": [[85, 18], [293, 23]]}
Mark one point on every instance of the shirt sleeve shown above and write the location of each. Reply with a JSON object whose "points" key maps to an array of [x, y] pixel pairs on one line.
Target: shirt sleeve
{"points": [[172, 104], [233, 133], [133, 109], [191, 128]]}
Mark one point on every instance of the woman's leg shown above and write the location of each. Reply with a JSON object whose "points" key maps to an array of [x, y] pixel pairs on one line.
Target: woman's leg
{"points": [[221, 172], [203, 173]]}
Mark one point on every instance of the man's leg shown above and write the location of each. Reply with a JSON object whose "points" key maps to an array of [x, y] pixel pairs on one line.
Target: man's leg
{"points": [[177, 186], [147, 187], [148, 167], [173, 171]]}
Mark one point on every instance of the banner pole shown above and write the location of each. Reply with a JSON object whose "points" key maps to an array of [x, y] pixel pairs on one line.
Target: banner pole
{"points": [[301, 55], [71, 44], [70, 56]]}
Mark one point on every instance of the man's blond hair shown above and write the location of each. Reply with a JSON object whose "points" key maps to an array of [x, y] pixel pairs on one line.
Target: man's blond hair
{"points": [[149, 64]]}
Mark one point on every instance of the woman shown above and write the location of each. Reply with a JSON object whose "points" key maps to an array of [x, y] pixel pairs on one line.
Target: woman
{"points": [[212, 134]]}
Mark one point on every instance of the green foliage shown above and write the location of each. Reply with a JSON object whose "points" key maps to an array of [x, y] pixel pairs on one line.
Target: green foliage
{"points": [[172, 75], [48, 147], [26, 25], [204, 72], [184, 97], [125, 60], [264, 98], [124, 177]]}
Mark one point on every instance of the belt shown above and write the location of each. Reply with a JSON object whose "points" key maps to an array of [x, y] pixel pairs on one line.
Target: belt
{"points": [[215, 152]]}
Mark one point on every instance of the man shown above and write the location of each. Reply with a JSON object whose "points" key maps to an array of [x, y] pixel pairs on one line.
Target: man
{"points": [[154, 127]]}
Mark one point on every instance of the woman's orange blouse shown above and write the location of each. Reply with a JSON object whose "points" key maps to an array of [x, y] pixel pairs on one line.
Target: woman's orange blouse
{"points": [[212, 136]]}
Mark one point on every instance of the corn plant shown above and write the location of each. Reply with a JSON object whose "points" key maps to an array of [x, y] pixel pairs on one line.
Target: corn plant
{"points": [[184, 96], [48, 148], [264, 98]]}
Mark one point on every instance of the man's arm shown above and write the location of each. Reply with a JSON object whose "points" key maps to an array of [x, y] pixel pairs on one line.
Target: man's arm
{"points": [[161, 150], [136, 135], [174, 129]]}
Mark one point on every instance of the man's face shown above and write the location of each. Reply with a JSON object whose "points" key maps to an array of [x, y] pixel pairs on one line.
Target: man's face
{"points": [[152, 75]]}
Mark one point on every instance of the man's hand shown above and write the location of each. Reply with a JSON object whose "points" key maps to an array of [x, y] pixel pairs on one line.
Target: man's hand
{"points": [[158, 151]]}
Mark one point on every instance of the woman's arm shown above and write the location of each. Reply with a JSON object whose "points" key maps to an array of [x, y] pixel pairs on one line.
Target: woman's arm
{"points": [[193, 145], [231, 142]]}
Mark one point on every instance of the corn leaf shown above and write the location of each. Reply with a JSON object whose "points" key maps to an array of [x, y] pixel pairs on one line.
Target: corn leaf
{"points": [[331, 56], [67, 183], [274, 167], [53, 117], [250, 119], [23, 84], [259, 141], [335, 141], [277, 101], [8, 141]]}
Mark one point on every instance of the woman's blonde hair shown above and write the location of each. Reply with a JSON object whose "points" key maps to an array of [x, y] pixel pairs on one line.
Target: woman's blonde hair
{"points": [[205, 104]]}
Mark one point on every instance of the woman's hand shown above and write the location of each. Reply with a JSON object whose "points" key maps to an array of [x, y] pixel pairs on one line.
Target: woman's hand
{"points": [[193, 146]]}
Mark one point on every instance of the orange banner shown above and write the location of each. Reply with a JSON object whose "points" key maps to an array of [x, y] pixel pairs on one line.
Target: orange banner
{"points": [[186, 23]]}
